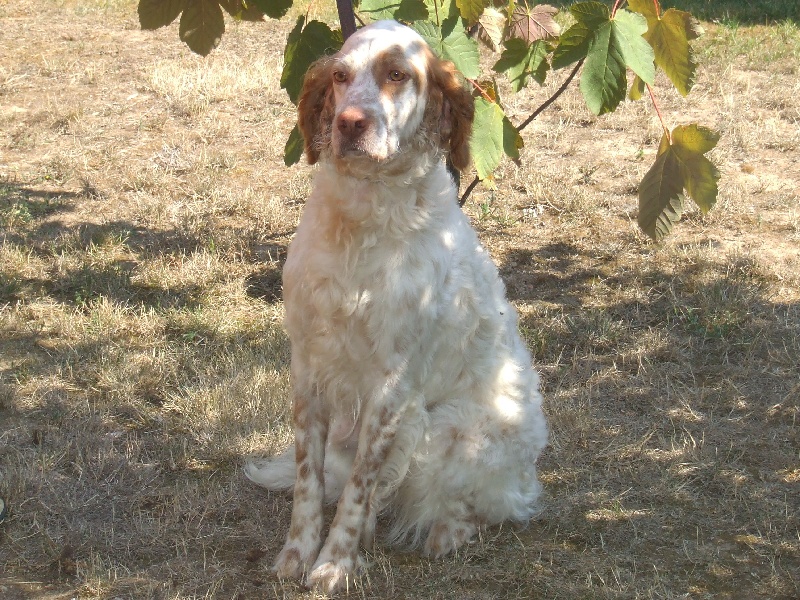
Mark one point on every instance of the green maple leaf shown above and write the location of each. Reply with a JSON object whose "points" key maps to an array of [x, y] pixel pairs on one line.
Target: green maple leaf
{"points": [[680, 166], [451, 43], [274, 9], [669, 35], [520, 62], [573, 45], [400, 10], [241, 10], [610, 46], [159, 13], [305, 44], [202, 25], [492, 136], [615, 45], [441, 10], [293, 151]]}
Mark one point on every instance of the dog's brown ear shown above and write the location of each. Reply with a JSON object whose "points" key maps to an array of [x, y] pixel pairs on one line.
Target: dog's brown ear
{"points": [[458, 110], [315, 106]]}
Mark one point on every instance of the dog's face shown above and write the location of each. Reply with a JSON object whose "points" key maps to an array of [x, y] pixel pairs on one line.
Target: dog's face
{"points": [[379, 90], [382, 91]]}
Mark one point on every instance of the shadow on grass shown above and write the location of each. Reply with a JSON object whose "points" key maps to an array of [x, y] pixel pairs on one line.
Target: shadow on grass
{"points": [[703, 314], [30, 219], [665, 386], [669, 391]]}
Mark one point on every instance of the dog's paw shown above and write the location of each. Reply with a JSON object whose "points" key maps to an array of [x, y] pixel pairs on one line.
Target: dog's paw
{"points": [[292, 563], [448, 536], [330, 576]]}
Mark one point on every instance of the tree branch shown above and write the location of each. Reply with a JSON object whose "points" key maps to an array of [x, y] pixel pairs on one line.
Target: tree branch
{"points": [[527, 121], [347, 18]]}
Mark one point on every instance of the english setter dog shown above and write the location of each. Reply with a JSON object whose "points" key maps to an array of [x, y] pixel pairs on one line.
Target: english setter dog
{"points": [[413, 393]]}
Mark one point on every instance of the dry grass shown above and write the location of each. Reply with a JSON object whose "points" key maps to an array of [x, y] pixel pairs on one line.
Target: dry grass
{"points": [[144, 216]]}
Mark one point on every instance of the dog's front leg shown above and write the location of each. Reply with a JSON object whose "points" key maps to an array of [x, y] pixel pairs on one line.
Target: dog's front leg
{"points": [[339, 556], [305, 534]]}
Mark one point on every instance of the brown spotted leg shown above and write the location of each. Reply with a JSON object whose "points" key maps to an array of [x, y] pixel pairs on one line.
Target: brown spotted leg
{"points": [[339, 556], [305, 534]]}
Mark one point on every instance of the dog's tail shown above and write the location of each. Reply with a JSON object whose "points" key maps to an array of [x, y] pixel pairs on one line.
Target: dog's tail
{"points": [[278, 474]]}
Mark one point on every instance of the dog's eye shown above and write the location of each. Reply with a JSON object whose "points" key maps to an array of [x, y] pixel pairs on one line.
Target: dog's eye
{"points": [[396, 75], [339, 76]]}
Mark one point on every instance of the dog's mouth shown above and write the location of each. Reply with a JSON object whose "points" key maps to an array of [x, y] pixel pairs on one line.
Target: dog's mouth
{"points": [[361, 148]]}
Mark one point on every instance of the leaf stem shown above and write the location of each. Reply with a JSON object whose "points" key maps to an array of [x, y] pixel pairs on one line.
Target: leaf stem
{"points": [[483, 92], [658, 8], [527, 121], [658, 112]]}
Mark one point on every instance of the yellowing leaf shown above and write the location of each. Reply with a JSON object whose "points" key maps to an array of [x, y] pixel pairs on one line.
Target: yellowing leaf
{"points": [[471, 10], [695, 138], [645, 8], [680, 166], [488, 88], [637, 88], [660, 198], [493, 23], [700, 176], [669, 35]]}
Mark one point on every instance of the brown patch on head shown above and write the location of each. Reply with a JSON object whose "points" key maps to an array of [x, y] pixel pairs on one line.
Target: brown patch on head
{"points": [[315, 109], [387, 63], [450, 106]]}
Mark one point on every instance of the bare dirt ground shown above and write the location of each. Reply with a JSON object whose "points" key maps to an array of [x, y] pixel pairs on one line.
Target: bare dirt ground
{"points": [[145, 212]]}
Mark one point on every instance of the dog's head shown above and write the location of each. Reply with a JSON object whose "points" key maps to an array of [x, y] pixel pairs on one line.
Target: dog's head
{"points": [[384, 93]]}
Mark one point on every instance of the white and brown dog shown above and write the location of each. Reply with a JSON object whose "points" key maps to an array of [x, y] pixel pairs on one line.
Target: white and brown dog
{"points": [[413, 392]]}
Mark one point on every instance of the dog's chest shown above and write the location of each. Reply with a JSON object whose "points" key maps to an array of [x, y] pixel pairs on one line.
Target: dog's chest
{"points": [[360, 306], [363, 291]]}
